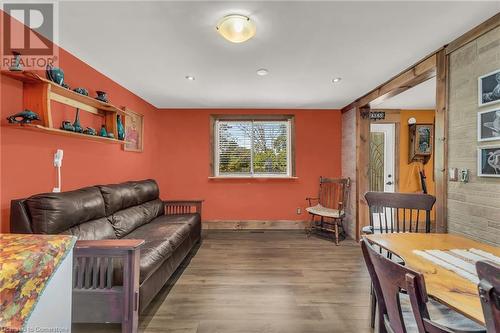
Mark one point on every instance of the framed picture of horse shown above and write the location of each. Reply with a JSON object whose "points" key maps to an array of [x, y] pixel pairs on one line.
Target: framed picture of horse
{"points": [[488, 161]]}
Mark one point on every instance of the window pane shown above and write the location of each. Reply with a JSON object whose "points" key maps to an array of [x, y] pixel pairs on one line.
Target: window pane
{"points": [[270, 147], [235, 147]]}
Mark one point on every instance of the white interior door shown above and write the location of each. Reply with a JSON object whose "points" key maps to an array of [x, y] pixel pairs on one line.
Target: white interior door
{"points": [[382, 157]]}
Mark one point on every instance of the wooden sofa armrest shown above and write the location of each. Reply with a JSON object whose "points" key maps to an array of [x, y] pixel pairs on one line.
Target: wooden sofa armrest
{"points": [[176, 207], [109, 244], [94, 263]]}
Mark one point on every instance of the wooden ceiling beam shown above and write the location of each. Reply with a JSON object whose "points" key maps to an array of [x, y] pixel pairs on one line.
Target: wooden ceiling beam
{"points": [[407, 79]]}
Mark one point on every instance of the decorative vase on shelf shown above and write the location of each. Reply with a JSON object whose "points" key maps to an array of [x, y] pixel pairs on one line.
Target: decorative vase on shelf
{"points": [[103, 131], [76, 124], [120, 128]]}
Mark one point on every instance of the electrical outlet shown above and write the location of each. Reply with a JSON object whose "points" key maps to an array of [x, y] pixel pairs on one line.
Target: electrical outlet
{"points": [[299, 211]]}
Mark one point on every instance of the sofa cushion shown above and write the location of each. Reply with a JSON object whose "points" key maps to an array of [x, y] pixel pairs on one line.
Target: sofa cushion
{"points": [[127, 220], [52, 213], [161, 237], [92, 230], [125, 195]]}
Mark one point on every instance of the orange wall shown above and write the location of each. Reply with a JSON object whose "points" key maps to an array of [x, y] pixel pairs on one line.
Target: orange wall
{"points": [[184, 157], [176, 153], [26, 157], [409, 180]]}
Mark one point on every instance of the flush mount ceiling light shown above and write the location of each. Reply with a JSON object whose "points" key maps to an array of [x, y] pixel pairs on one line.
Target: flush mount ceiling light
{"points": [[236, 28], [337, 79], [262, 72], [189, 77]]}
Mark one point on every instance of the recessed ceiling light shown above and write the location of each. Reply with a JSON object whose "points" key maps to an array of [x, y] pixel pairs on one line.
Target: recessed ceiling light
{"points": [[189, 77], [236, 28], [337, 79], [262, 72]]}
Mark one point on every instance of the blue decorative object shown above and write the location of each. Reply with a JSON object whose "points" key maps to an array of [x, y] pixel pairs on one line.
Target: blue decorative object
{"points": [[67, 126], [103, 131], [76, 124], [16, 65], [90, 131], [81, 91], [102, 96], [120, 128], [55, 74], [26, 117]]}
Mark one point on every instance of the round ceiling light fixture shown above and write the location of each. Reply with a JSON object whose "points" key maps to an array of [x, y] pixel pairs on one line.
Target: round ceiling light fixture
{"points": [[337, 79], [236, 28], [262, 72], [189, 77]]}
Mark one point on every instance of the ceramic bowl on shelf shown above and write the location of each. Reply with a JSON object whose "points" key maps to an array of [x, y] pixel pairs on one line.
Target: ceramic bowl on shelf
{"points": [[81, 91], [102, 96]]}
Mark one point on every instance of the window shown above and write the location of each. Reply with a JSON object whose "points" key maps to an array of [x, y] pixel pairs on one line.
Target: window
{"points": [[253, 147]]}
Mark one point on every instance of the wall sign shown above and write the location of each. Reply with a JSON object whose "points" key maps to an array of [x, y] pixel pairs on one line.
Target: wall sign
{"points": [[377, 115]]}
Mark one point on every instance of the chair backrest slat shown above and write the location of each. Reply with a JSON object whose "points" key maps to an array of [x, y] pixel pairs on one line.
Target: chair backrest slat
{"points": [[333, 192], [398, 212], [489, 293]]}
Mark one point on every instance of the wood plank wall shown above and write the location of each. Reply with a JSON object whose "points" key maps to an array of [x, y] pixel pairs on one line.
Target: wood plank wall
{"points": [[349, 167], [473, 208]]}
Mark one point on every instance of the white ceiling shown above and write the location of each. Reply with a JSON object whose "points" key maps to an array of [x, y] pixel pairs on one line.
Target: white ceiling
{"points": [[420, 97], [149, 47]]}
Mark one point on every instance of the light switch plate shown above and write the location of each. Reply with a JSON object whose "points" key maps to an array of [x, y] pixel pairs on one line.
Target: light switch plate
{"points": [[453, 174]]}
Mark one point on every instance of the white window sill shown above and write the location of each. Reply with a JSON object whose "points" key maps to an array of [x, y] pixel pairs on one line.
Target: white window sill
{"points": [[254, 177]]}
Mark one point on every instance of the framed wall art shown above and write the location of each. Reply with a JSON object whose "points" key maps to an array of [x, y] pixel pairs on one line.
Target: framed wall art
{"points": [[488, 125], [489, 88], [488, 161], [134, 131]]}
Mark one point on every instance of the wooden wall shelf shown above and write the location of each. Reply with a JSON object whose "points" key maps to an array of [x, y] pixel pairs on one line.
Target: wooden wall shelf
{"points": [[56, 131], [38, 93]]}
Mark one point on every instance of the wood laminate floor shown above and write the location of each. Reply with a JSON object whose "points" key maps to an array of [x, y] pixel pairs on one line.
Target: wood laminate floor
{"points": [[270, 282]]}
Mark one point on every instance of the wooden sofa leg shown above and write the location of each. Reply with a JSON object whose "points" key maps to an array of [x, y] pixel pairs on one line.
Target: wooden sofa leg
{"points": [[130, 319]]}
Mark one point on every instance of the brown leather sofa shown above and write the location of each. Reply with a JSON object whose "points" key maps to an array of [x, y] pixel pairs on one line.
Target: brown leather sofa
{"points": [[128, 239]]}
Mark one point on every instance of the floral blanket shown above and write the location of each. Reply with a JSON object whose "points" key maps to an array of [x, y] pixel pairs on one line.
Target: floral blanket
{"points": [[27, 263]]}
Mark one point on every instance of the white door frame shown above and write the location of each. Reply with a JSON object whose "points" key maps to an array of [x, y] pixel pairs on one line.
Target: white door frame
{"points": [[389, 130]]}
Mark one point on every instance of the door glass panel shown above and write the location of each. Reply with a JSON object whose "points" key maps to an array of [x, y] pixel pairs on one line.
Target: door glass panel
{"points": [[376, 172]]}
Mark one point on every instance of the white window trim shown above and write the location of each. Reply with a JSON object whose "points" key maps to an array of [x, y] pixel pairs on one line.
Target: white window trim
{"points": [[252, 174]]}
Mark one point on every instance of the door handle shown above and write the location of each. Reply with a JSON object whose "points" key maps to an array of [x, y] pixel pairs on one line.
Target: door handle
{"points": [[389, 183]]}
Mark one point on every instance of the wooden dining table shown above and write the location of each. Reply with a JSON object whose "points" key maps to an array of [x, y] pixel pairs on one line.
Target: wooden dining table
{"points": [[442, 285]]}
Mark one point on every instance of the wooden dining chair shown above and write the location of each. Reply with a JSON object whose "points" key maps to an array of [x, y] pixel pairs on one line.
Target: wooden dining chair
{"points": [[403, 301], [489, 293], [329, 206], [398, 212]]}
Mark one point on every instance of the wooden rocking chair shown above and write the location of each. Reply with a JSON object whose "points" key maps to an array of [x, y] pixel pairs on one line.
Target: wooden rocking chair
{"points": [[331, 200]]}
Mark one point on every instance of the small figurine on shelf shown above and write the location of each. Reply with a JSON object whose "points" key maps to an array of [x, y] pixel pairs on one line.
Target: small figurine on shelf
{"points": [[67, 126], [81, 91], [26, 117], [90, 131], [111, 135], [16, 65], [102, 96], [120, 128], [103, 131], [76, 124]]}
